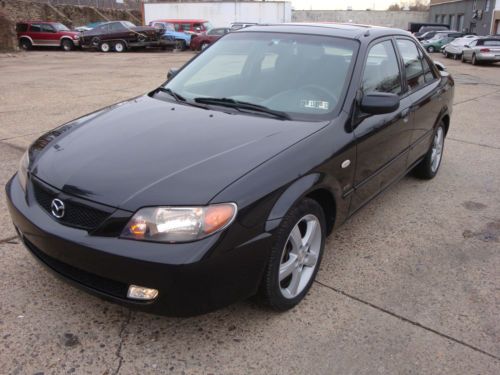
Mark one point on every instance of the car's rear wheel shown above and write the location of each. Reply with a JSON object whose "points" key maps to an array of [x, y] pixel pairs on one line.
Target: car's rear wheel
{"points": [[455, 56], [105, 47], [119, 47], [474, 60], [67, 45], [429, 166], [430, 49], [447, 55], [25, 44], [295, 256]]}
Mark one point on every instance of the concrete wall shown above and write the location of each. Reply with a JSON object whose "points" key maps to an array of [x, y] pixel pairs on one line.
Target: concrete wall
{"points": [[399, 19]]}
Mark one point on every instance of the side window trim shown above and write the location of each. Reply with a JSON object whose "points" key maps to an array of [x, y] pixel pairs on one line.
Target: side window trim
{"points": [[396, 52]]}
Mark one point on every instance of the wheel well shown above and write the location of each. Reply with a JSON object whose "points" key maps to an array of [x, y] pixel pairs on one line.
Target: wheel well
{"points": [[446, 122], [326, 201], [65, 38]]}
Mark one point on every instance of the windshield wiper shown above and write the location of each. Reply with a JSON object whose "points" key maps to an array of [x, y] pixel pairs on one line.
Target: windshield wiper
{"points": [[239, 105], [172, 93]]}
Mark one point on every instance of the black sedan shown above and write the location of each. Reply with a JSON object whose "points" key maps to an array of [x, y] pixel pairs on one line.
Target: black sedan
{"points": [[224, 182]]}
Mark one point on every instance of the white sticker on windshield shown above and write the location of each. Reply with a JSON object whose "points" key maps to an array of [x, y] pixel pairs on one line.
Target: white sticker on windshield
{"points": [[315, 104]]}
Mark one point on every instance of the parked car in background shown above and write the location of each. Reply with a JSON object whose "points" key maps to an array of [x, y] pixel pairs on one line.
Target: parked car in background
{"points": [[46, 34], [455, 48], [440, 39], [89, 26], [427, 35], [190, 26], [199, 43], [482, 50], [414, 27], [225, 181], [425, 29], [119, 36], [183, 40], [241, 25]]}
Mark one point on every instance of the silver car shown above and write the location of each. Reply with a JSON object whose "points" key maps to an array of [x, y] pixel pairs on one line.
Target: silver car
{"points": [[455, 48], [482, 50]]}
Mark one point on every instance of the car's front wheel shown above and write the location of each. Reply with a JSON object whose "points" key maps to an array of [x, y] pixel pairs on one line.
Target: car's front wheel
{"points": [[429, 166], [25, 44], [67, 45], [295, 256], [430, 49]]}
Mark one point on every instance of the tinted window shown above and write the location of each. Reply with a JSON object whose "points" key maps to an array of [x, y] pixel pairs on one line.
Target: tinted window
{"points": [[185, 27], [428, 72], [117, 26], [46, 28], [413, 64], [381, 72], [35, 27], [21, 27]]}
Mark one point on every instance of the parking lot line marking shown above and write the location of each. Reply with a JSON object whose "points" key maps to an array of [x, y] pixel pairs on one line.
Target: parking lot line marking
{"points": [[8, 239], [473, 143], [402, 318]]}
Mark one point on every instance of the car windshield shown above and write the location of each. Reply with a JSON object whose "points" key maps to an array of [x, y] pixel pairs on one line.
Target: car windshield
{"points": [[303, 76], [438, 37], [60, 27], [208, 26], [128, 24]]}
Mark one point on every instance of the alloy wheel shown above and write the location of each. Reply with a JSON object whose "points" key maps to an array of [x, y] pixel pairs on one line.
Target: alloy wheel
{"points": [[300, 256], [437, 149]]}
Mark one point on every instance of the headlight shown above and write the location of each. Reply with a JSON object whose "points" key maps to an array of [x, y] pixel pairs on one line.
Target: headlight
{"points": [[179, 224], [22, 172], [76, 36]]}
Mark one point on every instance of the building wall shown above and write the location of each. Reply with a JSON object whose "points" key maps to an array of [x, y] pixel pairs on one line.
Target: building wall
{"points": [[399, 19], [446, 11]]}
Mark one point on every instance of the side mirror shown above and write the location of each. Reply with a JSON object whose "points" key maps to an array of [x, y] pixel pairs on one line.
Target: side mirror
{"points": [[171, 73], [440, 66], [377, 103]]}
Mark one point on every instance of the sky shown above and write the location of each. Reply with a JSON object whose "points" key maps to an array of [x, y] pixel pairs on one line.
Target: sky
{"points": [[343, 4]]}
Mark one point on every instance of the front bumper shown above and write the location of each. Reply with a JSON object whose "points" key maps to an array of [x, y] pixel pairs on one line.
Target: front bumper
{"points": [[192, 278]]}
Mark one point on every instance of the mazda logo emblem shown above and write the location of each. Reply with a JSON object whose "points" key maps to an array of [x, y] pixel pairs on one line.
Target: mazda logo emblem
{"points": [[57, 208]]}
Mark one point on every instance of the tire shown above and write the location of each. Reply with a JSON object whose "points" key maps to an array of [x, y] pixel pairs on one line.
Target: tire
{"points": [[119, 47], [430, 49], [104, 47], [455, 56], [429, 166], [67, 45], [204, 46], [182, 45], [179, 45], [298, 263], [463, 58], [25, 44], [447, 55], [141, 38], [474, 60]]}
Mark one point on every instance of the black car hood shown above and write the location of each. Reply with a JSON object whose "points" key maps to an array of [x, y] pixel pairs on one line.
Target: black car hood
{"points": [[146, 152]]}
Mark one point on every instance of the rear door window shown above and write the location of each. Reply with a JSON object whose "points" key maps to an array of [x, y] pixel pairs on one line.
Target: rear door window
{"points": [[413, 63], [35, 28], [21, 27]]}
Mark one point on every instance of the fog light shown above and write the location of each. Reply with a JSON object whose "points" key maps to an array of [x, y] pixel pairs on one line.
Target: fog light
{"points": [[142, 293]]}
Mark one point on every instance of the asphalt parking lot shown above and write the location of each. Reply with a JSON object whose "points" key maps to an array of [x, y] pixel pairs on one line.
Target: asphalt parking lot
{"points": [[410, 285]]}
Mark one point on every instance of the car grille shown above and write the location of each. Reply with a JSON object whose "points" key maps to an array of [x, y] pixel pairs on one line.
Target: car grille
{"points": [[79, 215], [90, 280]]}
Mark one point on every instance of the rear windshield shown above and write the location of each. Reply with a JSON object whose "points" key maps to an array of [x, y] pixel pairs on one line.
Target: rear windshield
{"points": [[491, 43]]}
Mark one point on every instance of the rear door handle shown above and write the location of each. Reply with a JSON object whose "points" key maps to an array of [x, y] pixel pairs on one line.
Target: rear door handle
{"points": [[404, 114]]}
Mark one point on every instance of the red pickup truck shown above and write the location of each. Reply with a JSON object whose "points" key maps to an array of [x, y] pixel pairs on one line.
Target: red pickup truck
{"points": [[46, 34]]}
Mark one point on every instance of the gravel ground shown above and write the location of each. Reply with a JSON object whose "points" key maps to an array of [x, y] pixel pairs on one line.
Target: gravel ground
{"points": [[409, 285]]}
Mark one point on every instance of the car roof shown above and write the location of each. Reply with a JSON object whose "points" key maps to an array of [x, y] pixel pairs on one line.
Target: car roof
{"points": [[345, 30], [38, 21], [173, 20]]}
